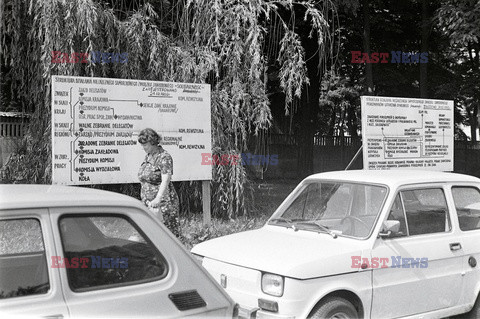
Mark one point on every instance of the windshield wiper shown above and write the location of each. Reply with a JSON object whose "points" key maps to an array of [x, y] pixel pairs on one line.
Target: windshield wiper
{"points": [[319, 226]]}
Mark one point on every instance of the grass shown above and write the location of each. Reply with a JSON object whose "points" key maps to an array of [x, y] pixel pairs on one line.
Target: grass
{"points": [[194, 232], [267, 197]]}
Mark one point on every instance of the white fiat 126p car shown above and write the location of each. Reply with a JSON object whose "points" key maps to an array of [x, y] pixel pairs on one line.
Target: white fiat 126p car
{"points": [[71, 252], [359, 244]]}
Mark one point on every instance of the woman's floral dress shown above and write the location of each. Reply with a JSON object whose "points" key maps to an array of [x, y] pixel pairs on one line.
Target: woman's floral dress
{"points": [[150, 176]]}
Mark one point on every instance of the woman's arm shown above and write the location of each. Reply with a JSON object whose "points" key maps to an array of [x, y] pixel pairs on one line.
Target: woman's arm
{"points": [[161, 190]]}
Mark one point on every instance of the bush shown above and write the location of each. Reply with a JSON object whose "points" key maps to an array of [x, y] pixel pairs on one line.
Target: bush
{"points": [[194, 232]]}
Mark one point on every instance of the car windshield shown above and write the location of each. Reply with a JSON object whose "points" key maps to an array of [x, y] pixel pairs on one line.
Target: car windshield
{"points": [[337, 208]]}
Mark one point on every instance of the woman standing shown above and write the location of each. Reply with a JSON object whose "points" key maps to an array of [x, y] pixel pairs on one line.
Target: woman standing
{"points": [[155, 174]]}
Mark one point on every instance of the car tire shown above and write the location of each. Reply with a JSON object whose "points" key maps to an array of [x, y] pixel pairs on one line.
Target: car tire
{"points": [[334, 307], [474, 313]]}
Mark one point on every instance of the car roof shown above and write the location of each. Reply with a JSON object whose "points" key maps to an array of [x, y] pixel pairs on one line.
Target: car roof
{"points": [[394, 178], [16, 196]]}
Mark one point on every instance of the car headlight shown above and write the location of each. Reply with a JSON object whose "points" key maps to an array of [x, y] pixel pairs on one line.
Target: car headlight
{"points": [[272, 284], [198, 258]]}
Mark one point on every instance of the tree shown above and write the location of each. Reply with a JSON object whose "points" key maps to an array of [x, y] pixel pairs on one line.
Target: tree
{"points": [[425, 35], [340, 105], [221, 42], [459, 20], [386, 26]]}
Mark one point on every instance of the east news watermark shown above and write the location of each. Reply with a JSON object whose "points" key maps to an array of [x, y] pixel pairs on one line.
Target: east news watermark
{"points": [[95, 57], [385, 262], [389, 57], [89, 262], [242, 159]]}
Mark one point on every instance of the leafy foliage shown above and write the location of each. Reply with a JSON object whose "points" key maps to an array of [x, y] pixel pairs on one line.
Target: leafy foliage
{"points": [[293, 70], [194, 232], [448, 30], [339, 106], [459, 20], [221, 42]]}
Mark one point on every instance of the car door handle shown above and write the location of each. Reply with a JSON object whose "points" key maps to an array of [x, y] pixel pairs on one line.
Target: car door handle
{"points": [[59, 316], [455, 246]]}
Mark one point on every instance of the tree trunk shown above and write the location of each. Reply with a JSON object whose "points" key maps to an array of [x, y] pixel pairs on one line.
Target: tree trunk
{"points": [[477, 121], [366, 46], [310, 106], [476, 67], [474, 122], [424, 48], [473, 109], [310, 96], [352, 120]]}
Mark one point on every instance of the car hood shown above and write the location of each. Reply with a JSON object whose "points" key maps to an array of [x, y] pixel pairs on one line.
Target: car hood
{"points": [[298, 254]]}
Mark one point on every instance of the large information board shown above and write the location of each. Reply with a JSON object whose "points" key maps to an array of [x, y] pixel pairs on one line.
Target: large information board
{"points": [[96, 121], [404, 133]]}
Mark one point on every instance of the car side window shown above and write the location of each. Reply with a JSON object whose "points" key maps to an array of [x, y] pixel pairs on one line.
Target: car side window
{"points": [[398, 213], [107, 251], [23, 262], [426, 211], [467, 204]]}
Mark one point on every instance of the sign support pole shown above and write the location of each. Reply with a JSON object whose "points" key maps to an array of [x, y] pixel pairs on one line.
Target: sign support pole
{"points": [[207, 218], [354, 157]]}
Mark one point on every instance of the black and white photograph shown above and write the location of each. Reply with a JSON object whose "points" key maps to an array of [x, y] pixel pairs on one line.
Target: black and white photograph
{"points": [[240, 159]]}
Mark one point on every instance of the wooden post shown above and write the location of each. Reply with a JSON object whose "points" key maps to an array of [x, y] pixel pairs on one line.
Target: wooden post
{"points": [[207, 217]]}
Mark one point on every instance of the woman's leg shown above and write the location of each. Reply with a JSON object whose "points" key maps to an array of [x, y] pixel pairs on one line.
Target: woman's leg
{"points": [[170, 211]]}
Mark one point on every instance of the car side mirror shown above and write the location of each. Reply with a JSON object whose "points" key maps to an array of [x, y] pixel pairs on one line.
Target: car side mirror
{"points": [[389, 227]]}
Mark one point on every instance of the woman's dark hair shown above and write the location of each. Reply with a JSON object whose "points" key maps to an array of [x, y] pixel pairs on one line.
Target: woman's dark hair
{"points": [[148, 135]]}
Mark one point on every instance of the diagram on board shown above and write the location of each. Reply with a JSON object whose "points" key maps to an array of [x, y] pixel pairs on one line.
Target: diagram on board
{"points": [[96, 122], [407, 133]]}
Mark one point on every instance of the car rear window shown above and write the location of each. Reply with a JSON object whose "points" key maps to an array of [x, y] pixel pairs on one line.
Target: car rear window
{"points": [[467, 204], [23, 262], [107, 251]]}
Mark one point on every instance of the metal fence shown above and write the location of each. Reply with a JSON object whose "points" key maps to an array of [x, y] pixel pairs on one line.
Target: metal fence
{"points": [[13, 126], [335, 153], [318, 140]]}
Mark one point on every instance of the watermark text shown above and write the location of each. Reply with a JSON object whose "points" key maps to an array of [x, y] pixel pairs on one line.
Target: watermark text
{"points": [[392, 57], [92, 262], [385, 262], [243, 159], [95, 57]]}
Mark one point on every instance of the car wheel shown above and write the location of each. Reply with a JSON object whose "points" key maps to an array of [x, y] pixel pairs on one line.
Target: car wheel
{"points": [[334, 307], [472, 314]]}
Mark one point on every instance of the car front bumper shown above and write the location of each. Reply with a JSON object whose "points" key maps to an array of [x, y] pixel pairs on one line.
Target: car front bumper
{"points": [[257, 313]]}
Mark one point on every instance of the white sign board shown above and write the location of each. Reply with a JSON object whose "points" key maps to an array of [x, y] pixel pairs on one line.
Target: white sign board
{"points": [[404, 133], [96, 122]]}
